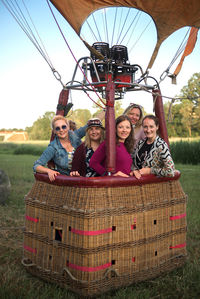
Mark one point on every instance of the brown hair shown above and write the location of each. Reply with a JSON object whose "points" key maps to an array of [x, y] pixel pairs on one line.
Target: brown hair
{"points": [[136, 106], [153, 117], [129, 142]]}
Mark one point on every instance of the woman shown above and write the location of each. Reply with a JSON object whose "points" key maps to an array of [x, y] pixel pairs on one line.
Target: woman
{"points": [[152, 154], [94, 136], [61, 149], [135, 114], [124, 146]]}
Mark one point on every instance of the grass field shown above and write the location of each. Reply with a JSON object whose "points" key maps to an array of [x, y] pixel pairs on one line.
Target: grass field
{"points": [[15, 282]]}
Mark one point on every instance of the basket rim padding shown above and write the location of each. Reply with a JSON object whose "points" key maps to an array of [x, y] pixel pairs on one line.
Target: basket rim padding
{"points": [[106, 181]]}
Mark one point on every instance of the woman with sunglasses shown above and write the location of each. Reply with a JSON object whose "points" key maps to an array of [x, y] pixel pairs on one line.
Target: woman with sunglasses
{"points": [[135, 114], [94, 136], [61, 149]]}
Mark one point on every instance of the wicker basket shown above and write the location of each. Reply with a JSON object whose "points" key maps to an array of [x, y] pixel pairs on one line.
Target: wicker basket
{"points": [[94, 237]]}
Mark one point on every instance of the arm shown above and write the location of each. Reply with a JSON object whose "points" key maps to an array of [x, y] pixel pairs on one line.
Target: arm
{"points": [[98, 158], [81, 131], [46, 156], [167, 168]]}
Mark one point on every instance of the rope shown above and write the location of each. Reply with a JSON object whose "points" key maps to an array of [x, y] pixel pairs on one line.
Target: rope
{"points": [[96, 27], [114, 26], [177, 54], [123, 24], [129, 27], [106, 25], [140, 36], [94, 36], [72, 52], [17, 13]]}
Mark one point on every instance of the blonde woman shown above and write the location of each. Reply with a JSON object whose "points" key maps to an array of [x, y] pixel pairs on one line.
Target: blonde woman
{"points": [[61, 149], [135, 114], [94, 136]]}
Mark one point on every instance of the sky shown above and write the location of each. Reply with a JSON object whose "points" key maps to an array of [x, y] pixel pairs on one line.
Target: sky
{"points": [[28, 87]]}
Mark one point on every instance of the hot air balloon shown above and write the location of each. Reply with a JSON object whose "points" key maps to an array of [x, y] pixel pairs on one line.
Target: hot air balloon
{"points": [[97, 234]]}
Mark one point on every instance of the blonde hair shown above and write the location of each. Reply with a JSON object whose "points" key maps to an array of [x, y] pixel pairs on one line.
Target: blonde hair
{"points": [[135, 106], [87, 137], [58, 117]]}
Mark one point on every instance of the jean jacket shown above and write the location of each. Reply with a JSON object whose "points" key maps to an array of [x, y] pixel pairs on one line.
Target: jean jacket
{"points": [[56, 152]]}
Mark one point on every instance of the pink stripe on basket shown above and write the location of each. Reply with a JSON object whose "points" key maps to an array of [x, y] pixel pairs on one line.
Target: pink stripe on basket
{"points": [[178, 216], [32, 219], [90, 232], [178, 246], [89, 269], [33, 250]]}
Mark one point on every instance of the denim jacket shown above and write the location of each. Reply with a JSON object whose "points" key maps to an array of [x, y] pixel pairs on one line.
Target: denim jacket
{"points": [[56, 152]]}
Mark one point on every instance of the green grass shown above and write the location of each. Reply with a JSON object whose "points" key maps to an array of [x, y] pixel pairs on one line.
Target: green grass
{"points": [[15, 282]]}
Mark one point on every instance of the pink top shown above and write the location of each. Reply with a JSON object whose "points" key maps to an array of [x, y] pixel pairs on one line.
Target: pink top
{"points": [[123, 159], [138, 135]]}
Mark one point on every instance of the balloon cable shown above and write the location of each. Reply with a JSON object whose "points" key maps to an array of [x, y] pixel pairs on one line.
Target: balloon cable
{"points": [[73, 54]]}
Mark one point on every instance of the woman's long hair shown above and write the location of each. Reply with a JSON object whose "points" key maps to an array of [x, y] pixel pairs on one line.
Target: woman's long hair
{"points": [[136, 106], [87, 137], [129, 142]]}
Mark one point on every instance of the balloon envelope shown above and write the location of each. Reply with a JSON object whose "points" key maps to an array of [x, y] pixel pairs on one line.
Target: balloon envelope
{"points": [[168, 15]]}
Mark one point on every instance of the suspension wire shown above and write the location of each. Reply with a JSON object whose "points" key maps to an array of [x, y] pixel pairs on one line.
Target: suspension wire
{"points": [[123, 24], [20, 18], [73, 53], [116, 9], [142, 87], [180, 50], [103, 21], [38, 34], [29, 32], [23, 23], [96, 28], [106, 25], [177, 54], [140, 36], [119, 26], [131, 34], [129, 27], [94, 36]]}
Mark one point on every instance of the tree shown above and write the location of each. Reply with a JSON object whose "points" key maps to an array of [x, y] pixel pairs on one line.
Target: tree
{"points": [[191, 110], [80, 117], [41, 129], [185, 116]]}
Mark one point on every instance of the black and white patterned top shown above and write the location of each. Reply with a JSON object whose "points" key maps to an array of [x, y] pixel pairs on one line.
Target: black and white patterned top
{"points": [[89, 171], [158, 158]]}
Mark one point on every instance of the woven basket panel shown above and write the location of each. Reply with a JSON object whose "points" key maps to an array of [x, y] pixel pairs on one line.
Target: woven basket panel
{"points": [[96, 239], [122, 229], [122, 260], [93, 199]]}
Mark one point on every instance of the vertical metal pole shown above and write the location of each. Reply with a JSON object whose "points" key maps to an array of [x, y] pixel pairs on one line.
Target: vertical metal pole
{"points": [[110, 127], [159, 112]]}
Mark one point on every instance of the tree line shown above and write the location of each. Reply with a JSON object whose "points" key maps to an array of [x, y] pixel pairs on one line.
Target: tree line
{"points": [[182, 114]]}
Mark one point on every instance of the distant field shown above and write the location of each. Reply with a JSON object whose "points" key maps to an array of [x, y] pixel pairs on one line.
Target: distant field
{"points": [[36, 142], [46, 142], [176, 139]]}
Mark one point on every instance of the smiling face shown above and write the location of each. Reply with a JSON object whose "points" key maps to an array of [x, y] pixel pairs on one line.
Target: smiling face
{"points": [[150, 129], [123, 130], [134, 115], [94, 133], [61, 129]]}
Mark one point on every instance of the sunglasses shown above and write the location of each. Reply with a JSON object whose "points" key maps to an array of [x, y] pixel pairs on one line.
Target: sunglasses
{"points": [[59, 128], [135, 105]]}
